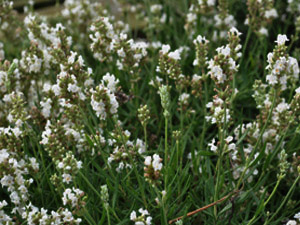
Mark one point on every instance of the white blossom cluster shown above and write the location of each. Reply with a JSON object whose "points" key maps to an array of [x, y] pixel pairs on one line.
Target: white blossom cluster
{"points": [[143, 219], [261, 13], [154, 161], [296, 221], [79, 14], [184, 98], [219, 113], [103, 100], [156, 20], [223, 66], [130, 52], [34, 216], [169, 62], [294, 6], [4, 218], [124, 154], [203, 9], [281, 68], [103, 38], [220, 22], [201, 44], [72, 197]]}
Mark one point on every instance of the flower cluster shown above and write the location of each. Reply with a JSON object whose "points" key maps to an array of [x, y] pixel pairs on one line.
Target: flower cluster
{"points": [[203, 8], [294, 222], [169, 63], [260, 14], [105, 196], [35, 216], [201, 45], [143, 219], [165, 99], [223, 21], [104, 102], [222, 69], [74, 198], [153, 167], [125, 152], [281, 67], [154, 19], [144, 115], [130, 53], [79, 14]]}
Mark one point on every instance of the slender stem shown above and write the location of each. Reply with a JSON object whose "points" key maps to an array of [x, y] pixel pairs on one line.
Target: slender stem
{"points": [[166, 151], [108, 215], [222, 133], [266, 202], [205, 112], [88, 216], [132, 163], [248, 160], [284, 201], [244, 50], [145, 135], [162, 204]]}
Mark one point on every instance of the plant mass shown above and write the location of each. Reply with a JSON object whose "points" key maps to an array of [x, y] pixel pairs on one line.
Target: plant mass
{"points": [[150, 112]]}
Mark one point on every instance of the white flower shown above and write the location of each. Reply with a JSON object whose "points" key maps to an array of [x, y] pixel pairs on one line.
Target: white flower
{"points": [[272, 13], [291, 222], [67, 216], [46, 108], [67, 178], [211, 2], [212, 145], [229, 139], [281, 39], [156, 163], [133, 216], [148, 160], [183, 98], [282, 107], [3, 155], [297, 216], [200, 40], [56, 89], [111, 81], [263, 31], [121, 53], [165, 49], [144, 212], [224, 50], [71, 58], [272, 79], [175, 55], [235, 31], [148, 220]]}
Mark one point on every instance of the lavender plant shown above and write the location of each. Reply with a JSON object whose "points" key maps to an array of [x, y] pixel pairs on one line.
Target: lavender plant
{"points": [[161, 112]]}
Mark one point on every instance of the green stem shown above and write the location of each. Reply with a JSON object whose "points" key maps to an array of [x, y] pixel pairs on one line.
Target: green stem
{"points": [[132, 163], [145, 135], [284, 201], [166, 151], [248, 160], [266, 202], [205, 113], [162, 204], [88, 217], [244, 50], [108, 215], [94, 190]]}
